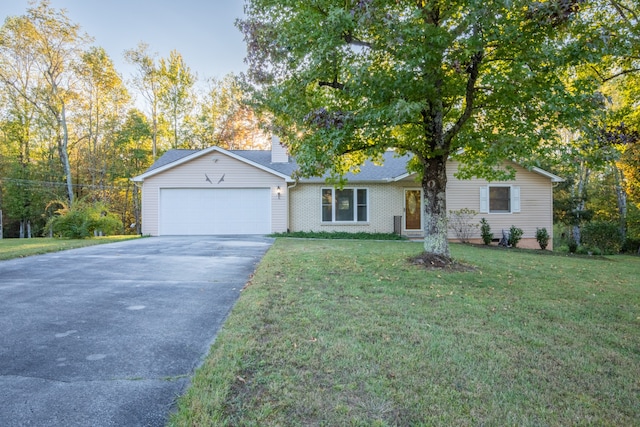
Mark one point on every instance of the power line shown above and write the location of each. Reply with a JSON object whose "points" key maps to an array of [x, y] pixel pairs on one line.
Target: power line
{"points": [[34, 183]]}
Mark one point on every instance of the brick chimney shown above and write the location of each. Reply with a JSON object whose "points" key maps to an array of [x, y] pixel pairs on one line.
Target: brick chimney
{"points": [[278, 152]]}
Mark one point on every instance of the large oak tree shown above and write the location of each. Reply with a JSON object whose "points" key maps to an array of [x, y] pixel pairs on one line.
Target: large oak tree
{"points": [[346, 80]]}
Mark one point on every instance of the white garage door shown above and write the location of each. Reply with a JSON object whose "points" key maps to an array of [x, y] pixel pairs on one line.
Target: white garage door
{"points": [[200, 211]]}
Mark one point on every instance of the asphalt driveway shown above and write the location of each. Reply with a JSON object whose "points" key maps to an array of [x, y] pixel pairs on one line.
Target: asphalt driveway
{"points": [[109, 335]]}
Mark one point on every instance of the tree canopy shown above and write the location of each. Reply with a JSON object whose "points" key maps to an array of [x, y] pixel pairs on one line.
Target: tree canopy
{"points": [[347, 80], [70, 127]]}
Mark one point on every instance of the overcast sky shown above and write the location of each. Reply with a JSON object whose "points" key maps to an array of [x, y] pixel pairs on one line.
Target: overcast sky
{"points": [[202, 31]]}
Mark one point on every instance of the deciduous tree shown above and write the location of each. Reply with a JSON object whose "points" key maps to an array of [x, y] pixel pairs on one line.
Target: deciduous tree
{"points": [[176, 94], [132, 154], [101, 108], [51, 44], [226, 120], [347, 80], [149, 82]]}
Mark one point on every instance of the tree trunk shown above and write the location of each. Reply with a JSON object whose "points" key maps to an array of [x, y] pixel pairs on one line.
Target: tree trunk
{"points": [[154, 135], [126, 206], [136, 209], [1, 219], [622, 201], [434, 185], [63, 143], [175, 129], [580, 200]]}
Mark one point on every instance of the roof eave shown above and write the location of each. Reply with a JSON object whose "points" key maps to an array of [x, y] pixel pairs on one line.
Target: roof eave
{"points": [[185, 159], [401, 177], [554, 178]]}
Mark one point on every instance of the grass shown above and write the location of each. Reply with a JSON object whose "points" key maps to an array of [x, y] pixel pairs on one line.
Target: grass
{"points": [[333, 333], [17, 248]]}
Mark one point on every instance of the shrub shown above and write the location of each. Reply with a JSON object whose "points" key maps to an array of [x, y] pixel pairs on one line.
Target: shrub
{"points": [[460, 222], [631, 246], [515, 234], [583, 250], [542, 236], [604, 236], [485, 231], [82, 220], [573, 245]]}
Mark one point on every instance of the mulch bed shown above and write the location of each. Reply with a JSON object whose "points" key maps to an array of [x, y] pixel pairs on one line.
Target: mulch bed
{"points": [[439, 262]]}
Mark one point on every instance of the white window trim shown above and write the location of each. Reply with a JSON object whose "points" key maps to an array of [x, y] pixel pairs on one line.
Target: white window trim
{"points": [[514, 192], [355, 201]]}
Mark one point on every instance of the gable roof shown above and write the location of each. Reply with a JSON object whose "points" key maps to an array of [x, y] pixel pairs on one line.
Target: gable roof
{"points": [[170, 157], [393, 168], [176, 157]]}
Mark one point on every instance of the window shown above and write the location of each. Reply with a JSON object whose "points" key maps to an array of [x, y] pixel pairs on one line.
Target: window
{"points": [[500, 199], [345, 205]]}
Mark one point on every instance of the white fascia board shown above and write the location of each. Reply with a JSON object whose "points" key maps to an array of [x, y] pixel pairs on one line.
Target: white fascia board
{"points": [[347, 181], [178, 162], [141, 178], [554, 178], [401, 177]]}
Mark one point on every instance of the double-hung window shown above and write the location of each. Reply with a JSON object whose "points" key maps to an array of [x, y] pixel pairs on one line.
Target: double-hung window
{"points": [[345, 205], [500, 199]]}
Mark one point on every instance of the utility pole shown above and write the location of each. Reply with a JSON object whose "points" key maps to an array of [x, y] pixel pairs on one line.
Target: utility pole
{"points": [[1, 233]]}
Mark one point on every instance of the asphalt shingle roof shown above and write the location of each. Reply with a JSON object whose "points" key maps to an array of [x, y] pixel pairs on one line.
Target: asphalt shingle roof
{"points": [[170, 157], [392, 167]]}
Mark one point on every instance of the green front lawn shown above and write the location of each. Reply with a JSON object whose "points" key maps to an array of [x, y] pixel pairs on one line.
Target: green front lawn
{"points": [[334, 333], [17, 248]]}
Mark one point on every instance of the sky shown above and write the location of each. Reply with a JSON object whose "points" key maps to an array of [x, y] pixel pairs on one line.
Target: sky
{"points": [[202, 31]]}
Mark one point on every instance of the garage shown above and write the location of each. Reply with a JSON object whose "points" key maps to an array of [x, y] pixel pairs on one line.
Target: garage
{"points": [[204, 211]]}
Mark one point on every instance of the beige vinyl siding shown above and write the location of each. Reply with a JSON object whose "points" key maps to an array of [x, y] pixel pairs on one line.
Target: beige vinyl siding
{"points": [[536, 202], [384, 202], [237, 174], [387, 201]]}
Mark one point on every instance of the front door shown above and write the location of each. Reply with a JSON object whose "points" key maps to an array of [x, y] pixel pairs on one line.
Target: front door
{"points": [[412, 210]]}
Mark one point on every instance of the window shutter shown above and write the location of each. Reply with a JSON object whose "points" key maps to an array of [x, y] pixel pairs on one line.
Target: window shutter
{"points": [[484, 199], [515, 199]]}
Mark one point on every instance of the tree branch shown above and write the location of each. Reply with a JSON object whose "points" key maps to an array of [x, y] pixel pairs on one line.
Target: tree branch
{"points": [[621, 9], [474, 72], [621, 73], [350, 39], [595, 70], [334, 84]]}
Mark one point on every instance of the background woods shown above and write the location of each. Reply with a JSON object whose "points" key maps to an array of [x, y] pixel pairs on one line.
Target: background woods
{"points": [[554, 84], [73, 128]]}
